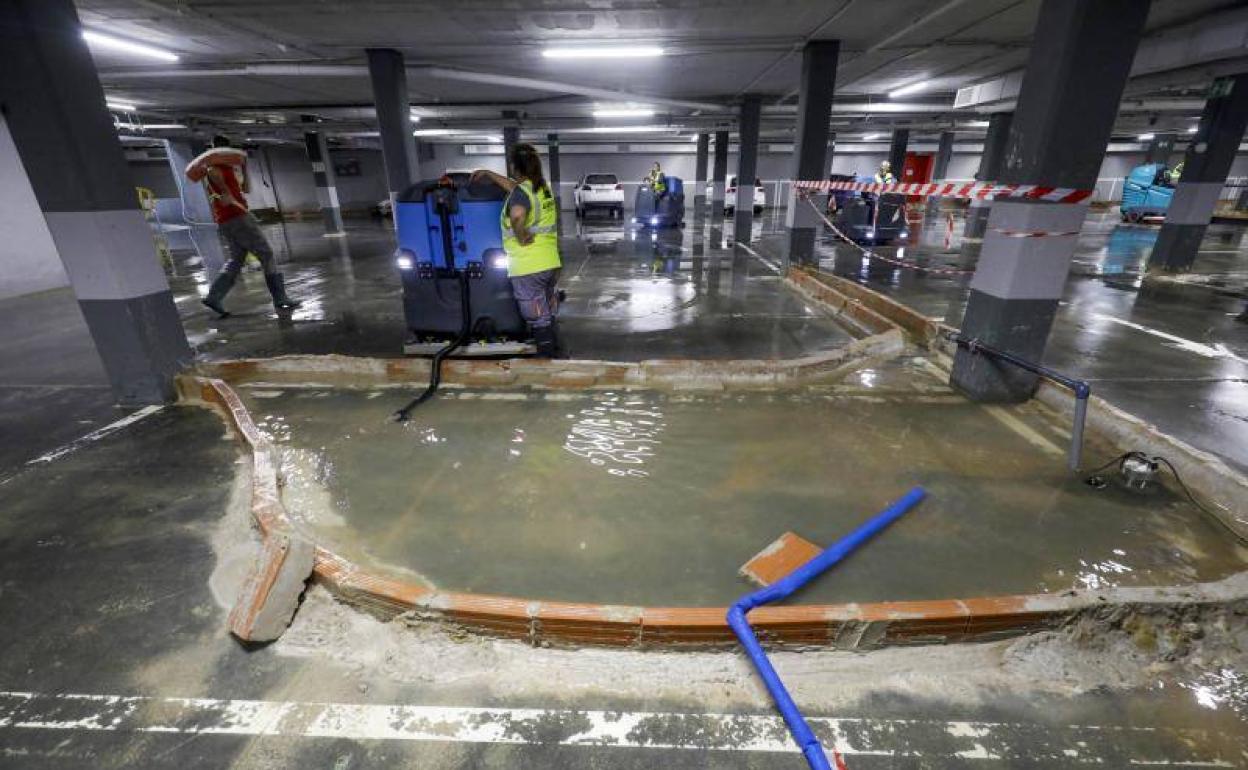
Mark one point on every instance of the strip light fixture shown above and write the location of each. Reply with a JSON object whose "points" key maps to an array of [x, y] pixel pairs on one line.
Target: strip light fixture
{"points": [[913, 88], [623, 112], [119, 106], [603, 52], [101, 40]]}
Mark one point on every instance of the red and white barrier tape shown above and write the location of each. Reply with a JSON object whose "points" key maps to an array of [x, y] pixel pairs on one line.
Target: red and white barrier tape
{"points": [[872, 255], [981, 190], [1031, 233]]}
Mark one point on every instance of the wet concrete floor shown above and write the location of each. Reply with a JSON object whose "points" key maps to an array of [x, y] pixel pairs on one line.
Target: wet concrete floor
{"points": [[1169, 352], [647, 498], [106, 555], [632, 294]]}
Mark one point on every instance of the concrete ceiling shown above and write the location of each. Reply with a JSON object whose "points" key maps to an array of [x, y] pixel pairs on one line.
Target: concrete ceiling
{"points": [[716, 50]]}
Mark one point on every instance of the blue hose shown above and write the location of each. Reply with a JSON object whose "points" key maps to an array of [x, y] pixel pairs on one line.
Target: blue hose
{"points": [[782, 589]]}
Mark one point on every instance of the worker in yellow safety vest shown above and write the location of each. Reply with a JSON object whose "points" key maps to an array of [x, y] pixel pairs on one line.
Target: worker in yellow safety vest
{"points": [[885, 174], [657, 181], [530, 238], [1174, 174]]}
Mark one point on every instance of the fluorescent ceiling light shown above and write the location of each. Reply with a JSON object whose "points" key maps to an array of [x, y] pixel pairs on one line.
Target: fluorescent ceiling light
{"points": [[125, 46], [975, 124], [435, 132], [1146, 137], [910, 89], [149, 126], [603, 52], [121, 106], [624, 112], [869, 137], [621, 130], [413, 116], [1191, 130]]}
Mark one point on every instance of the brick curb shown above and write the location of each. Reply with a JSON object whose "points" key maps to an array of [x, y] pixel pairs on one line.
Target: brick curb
{"points": [[845, 626]]}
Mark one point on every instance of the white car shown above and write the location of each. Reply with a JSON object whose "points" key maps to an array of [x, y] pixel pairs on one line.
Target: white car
{"points": [[601, 192], [730, 195]]}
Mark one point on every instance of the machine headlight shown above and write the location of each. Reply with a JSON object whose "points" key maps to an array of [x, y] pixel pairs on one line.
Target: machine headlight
{"points": [[654, 220], [403, 258], [496, 258]]}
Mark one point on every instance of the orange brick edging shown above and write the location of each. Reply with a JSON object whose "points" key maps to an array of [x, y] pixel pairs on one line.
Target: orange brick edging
{"points": [[846, 626]]}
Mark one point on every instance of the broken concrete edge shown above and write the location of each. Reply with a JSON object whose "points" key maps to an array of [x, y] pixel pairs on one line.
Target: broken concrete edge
{"points": [[270, 596], [1222, 491], [844, 626], [658, 374], [864, 305]]}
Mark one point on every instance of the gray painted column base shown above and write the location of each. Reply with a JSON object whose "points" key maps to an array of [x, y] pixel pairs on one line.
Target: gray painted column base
{"points": [[1176, 248], [333, 220], [802, 246], [976, 221], [1020, 326], [141, 343]]}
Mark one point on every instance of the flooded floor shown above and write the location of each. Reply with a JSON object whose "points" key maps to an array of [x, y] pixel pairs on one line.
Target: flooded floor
{"points": [[632, 294], [656, 499]]}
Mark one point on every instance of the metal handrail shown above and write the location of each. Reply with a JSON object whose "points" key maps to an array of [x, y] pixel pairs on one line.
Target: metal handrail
{"points": [[1081, 389]]}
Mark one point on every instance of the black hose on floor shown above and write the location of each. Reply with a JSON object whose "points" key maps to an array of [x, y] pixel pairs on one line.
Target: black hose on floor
{"points": [[435, 374]]}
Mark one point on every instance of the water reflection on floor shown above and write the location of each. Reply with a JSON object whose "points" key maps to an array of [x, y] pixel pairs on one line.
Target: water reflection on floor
{"points": [[650, 498]]}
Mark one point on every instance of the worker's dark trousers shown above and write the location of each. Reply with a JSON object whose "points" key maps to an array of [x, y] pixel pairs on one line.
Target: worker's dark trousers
{"points": [[537, 296], [242, 235]]}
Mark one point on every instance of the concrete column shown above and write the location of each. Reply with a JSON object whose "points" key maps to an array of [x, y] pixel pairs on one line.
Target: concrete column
{"points": [[1205, 167], [68, 147], [940, 165], [747, 167], [552, 160], [944, 154], [897, 151], [1159, 148], [323, 176], [810, 155], [699, 174], [511, 135], [719, 173], [394, 120], [1058, 139], [990, 162]]}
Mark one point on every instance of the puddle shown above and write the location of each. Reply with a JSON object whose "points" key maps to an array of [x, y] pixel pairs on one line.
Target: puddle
{"points": [[657, 499]]}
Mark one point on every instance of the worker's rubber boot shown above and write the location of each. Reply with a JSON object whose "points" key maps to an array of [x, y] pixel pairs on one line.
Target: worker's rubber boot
{"points": [[216, 293], [277, 288], [546, 340]]}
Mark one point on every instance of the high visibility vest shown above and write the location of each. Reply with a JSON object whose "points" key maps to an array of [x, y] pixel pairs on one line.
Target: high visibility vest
{"points": [[543, 252]]}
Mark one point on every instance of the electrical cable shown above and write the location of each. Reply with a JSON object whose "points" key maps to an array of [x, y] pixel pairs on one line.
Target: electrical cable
{"points": [[435, 374], [1187, 491], [1094, 480]]}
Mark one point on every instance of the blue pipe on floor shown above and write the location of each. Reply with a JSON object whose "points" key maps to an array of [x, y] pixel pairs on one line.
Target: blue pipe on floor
{"points": [[783, 588]]}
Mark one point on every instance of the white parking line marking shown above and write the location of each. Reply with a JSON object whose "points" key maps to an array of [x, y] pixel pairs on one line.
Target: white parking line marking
{"points": [[1191, 346], [95, 435], [606, 729]]}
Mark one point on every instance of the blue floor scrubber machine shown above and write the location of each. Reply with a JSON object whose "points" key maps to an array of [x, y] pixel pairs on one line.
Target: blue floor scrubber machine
{"points": [[454, 270], [457, 298], [666, 210]]}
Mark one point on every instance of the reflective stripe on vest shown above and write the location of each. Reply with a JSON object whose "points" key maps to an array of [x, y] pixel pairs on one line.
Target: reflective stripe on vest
{"points": [[543, 253]]}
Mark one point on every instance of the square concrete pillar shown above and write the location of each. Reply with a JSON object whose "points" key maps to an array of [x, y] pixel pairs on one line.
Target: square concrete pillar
{"points": [[64, 136], [1057, 139]]}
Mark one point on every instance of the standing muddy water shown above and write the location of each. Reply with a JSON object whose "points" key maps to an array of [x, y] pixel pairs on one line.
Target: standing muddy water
{"points": [[649, 498]]}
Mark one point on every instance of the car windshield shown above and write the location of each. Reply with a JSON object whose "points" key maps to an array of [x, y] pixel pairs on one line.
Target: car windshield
{"points": [[600, 179]]}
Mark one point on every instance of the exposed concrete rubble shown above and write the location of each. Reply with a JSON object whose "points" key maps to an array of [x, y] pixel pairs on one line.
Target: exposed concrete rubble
{"points": [[269, 597]]}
